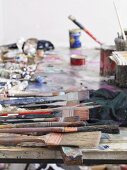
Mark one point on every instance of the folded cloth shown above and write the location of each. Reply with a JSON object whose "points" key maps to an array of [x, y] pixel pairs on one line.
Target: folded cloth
{"points": [[114, 106]]}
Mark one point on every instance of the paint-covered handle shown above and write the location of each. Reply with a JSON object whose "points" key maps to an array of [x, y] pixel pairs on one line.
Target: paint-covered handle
{"points": [[15, 140]]}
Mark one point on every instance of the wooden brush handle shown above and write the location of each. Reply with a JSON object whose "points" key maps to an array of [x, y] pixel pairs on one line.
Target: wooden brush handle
{"points": [[113, 129], [44, 124], [29, 94], [15, 120], [38, 111], [103, 128], [38, 130], [14, 140]]}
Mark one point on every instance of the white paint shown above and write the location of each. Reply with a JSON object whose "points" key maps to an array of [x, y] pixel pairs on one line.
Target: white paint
{"points": [[48, 19]]}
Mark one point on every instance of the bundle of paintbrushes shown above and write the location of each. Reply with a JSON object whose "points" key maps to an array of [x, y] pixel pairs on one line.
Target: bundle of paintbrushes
{"points": [[68, 131], [49, 110], [55, 131], [15, 100], [63, 119], [57, 119]]}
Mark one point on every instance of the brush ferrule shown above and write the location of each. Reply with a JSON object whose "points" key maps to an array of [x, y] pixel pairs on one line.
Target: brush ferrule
{"points": [[78, 24]]}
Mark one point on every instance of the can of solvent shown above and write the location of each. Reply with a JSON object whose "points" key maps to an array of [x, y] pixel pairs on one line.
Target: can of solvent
{"points": [[74, 36]]}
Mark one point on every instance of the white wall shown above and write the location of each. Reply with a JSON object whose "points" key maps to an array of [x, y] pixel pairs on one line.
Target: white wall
{"points": [[47, 19], [1, 22]]}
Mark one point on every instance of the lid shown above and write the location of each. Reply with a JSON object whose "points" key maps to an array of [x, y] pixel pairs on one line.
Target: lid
{"points": [[74, 56], [76, 30], [108, 47]]}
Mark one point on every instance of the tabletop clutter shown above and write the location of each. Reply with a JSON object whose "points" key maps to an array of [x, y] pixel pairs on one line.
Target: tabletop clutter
{"points": [[53, 115]]}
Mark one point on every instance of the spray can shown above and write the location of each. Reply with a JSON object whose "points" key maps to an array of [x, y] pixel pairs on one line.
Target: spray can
{"points": [[74, 36]]}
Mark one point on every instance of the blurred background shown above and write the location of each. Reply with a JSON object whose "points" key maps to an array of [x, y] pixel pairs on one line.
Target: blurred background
{"points": [[48, 19]]}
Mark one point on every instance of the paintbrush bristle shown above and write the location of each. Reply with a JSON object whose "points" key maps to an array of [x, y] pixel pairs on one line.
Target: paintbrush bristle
{"points": [[85, 139], [71, 17]]}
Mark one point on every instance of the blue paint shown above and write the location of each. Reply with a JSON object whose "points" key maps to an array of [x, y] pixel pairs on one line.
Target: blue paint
{"points": [[39, 79], [103, 147], [24, 74]]}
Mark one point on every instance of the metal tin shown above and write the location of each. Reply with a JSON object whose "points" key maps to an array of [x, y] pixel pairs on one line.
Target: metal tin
{"points": [[107, 66], [77, 60], [74, 36]]}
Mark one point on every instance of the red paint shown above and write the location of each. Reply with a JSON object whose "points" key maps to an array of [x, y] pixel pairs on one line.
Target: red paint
{"points": [[77, 60]]}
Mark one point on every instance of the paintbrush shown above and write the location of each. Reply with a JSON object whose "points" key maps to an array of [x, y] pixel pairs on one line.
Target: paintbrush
{"points": [[83, 114], [73, 19], [8, 120], [72, 96], [69, 93], [44, 124], [34, 94], [85, 139], [63, 103], [29, 100], [12, 121], [30, 94], [114, 129], [73, 110], [25, 112], [32, 116], [43, 105]]}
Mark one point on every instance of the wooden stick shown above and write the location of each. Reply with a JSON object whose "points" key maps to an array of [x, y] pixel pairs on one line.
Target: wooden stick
{"points": [[120, 25]]}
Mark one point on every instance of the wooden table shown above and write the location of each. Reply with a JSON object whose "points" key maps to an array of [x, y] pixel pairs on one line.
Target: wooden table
{"points": [[117, 151], [115, 154]]}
